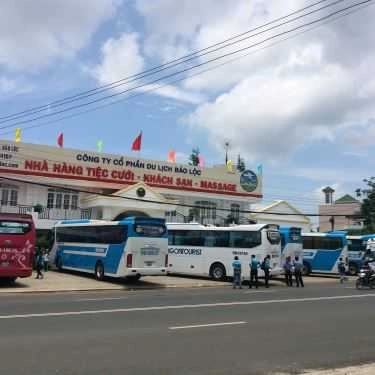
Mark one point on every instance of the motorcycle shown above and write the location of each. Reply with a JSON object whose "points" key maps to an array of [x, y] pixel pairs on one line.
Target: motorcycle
{"points": [[366, 278]]}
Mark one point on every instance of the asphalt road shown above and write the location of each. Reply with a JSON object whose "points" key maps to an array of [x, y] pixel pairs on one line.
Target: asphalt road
{"points": [[187, 331]]}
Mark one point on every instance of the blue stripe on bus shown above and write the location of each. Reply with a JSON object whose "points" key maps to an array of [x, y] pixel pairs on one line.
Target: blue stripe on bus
{"points": [[111, 260], [325, 260]]}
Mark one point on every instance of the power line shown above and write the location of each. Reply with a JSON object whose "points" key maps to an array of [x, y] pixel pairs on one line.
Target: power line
{"points": [[156, 88], [167, 65], [187, 69], [170, 203]]}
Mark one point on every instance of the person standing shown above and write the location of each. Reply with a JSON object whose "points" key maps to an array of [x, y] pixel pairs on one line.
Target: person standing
{"points": [[266, 266], [288, 271], [298, 268], [237, 273], [45, 260], [254, 265], [39, 265], [342, 270]]}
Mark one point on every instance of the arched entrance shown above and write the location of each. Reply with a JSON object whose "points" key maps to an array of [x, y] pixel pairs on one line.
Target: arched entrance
{"points": [[126, 214]]}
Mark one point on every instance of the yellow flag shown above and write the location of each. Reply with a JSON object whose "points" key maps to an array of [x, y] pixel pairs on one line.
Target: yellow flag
{"points": [[230, 165], [18, 135]]}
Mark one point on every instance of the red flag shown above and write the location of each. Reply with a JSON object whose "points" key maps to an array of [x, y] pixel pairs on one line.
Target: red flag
{"points": [[60, 140], [172, 156], [136, 146]]}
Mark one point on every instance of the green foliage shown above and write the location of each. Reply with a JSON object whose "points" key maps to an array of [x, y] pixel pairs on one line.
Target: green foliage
{"points": [[194, 157], [368, 204], [240, 164]]}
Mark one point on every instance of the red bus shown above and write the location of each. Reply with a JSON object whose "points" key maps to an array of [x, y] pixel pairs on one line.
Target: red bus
{"points": [[17, 244]]}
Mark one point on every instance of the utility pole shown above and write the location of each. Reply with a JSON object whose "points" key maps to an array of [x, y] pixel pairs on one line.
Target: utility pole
{"points": [[226, 152]]}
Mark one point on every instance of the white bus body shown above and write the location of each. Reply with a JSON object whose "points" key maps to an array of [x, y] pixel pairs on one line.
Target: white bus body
{"points": [[194, 249]]}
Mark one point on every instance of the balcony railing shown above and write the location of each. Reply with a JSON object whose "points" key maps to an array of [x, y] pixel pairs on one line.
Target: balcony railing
{"points": [[48, 213]]}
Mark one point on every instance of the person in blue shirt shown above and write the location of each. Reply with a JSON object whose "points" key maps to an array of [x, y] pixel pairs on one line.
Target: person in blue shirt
{"points": [[298, 268], [266, 267], [288, 266], [236, 272], [254, 265]]}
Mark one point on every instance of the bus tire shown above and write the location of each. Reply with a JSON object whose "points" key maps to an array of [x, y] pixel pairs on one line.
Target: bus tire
{"points": [[306, 269], [135, 277], [217, 271], [99, 271], [353, 269], [59, 264]]}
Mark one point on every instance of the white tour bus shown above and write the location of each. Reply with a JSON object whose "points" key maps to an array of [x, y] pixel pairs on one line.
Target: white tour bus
{"points": [[194, 249]]}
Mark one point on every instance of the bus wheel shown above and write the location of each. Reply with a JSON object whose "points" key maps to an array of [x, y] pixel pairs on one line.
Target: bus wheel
{"points": [[353, 269], [135, 277], [306, 269], [217, 271], [99, 271]]}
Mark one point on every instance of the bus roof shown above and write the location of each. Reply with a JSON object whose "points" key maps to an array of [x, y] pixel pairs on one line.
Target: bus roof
{"points": [[324, 234], [10, 216], [197, 226], [128, 220]]}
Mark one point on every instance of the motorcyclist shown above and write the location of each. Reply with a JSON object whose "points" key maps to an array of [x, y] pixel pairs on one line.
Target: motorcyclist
{"points": [[369, 268]]}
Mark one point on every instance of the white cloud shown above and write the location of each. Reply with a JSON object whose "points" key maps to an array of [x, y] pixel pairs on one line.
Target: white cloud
{"points": [[269, 116], [277, 99], [34, 33], [120, 58]]}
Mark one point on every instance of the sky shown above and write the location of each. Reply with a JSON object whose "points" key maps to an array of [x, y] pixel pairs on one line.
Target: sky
{"points": [[301, 104]]}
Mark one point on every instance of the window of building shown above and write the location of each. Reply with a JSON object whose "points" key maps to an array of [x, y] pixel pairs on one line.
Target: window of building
{"points": [[58, 200], [66, 201], [235, 212], [13, 197], [206, 209], [74, 205], [9, 195], [62, 199], [4, 197]]}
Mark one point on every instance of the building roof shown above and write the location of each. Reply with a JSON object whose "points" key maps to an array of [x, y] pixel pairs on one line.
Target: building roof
{"points": [[269, 208], [328, 189], [346, 199]]}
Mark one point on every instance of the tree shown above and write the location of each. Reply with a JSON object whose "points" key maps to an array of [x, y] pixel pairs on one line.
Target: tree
{"points": [[240, 164], [368, 203], [194, 157]]}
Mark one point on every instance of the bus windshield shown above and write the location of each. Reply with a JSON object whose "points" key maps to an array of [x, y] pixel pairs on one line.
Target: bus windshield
{"points": [[14, 227], [150, 230]]}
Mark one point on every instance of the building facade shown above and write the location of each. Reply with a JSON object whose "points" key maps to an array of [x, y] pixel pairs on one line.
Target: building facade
{"points": [[291, 216], [348, 207], [57, 183]]}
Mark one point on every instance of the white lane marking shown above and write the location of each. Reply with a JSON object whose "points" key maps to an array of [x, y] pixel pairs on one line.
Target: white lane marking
{"points": [[99, 299], [207, 325], [180, 307]]}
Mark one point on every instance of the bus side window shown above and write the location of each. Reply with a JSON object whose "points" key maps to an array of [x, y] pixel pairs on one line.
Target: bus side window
{"points": [[216, 239], [307, 242]]}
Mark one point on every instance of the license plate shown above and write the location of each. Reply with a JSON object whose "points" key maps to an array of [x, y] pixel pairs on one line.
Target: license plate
{"points": [[149, 264], [4, 264]]}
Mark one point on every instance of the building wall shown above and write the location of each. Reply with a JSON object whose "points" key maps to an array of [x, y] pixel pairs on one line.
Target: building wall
{"points": [[340, 223]]}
